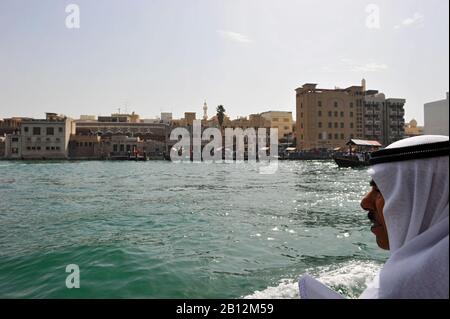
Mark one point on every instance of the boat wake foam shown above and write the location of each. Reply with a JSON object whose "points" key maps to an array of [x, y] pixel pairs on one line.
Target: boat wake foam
{"points": [[349, 279]]}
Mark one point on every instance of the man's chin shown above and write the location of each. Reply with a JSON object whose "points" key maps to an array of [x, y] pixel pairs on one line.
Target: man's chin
{"points": [[382, 244]]}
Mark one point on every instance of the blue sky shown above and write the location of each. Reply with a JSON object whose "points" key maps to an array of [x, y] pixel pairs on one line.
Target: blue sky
{"points": [[153, 56]]}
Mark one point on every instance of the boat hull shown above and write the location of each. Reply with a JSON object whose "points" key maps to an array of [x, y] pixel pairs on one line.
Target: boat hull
{"points": [[350, 161]]}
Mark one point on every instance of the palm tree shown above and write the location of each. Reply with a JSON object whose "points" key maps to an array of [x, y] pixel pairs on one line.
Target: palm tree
{"points": [[220, 114]]}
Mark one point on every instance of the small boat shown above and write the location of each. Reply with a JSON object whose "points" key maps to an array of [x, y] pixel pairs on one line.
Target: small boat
{"points": [[358, 155], [350, 161]]}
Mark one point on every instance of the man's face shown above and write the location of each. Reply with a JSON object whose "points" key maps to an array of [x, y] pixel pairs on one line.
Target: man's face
{"points": [[373, 202]]}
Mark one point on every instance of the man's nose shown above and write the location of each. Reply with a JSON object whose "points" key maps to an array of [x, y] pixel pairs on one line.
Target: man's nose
{"points": [[365, 202]]}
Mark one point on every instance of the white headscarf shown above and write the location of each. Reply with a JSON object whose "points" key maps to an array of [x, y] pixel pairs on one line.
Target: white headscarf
{"points": [[416, 212]]}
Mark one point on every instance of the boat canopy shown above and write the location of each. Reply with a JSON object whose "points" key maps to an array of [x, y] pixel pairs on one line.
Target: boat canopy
{"points": [[364, 143], [290, 149]]}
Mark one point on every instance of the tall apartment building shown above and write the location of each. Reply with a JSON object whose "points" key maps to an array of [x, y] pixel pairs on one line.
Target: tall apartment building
{"points": [[383, 118], [328, 118], [41, 138], [282, 121], [436, 117]]}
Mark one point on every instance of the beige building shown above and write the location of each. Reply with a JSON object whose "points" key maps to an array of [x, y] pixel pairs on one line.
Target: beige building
{"points": [[41, 139], [282, 121], [85, 147], [328, 118], [412, 129]]}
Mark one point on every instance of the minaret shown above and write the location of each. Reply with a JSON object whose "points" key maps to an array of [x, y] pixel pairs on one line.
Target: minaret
{"points": [[363, 84], [205, 111]]}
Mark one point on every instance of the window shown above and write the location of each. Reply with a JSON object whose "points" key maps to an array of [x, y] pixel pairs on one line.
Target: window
{"points": [[58, 148], [336, 114], [330, 125], [320, 136], [336, 136], [60, 129], [90, 144], [28, 148], [342, 125], [342, 114], [335, 104], [15, 139], [301, 125], [330, 136], [115, 147], [122, 147], [301, 115], [319, 124], [351, 125], [50, 131], [351, 104], [47, 148], [85, 144], [319, 113], [351, 114], [335, 125], [58, 139], [342, 136], [25, 129], [38, 148], [320, 103], [53, 148], [330, 114], [36, 131], [275, 119]]}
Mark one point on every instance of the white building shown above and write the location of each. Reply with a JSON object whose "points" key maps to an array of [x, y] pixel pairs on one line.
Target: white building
{"points": [[41, 139], [436, 117]]}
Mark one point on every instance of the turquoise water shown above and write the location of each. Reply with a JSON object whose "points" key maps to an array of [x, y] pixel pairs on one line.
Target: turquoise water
{"points": [[166, 230]]}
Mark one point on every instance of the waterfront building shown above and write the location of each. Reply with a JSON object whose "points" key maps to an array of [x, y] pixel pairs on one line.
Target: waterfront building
{"points": [[412, 129], [122, 146], [436, 117], [2, 147], [86, 147], [41, 138], [282, 121], [328, 118]]}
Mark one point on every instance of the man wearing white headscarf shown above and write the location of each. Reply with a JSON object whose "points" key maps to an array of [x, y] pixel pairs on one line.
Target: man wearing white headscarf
{"points": [[408, 206]]}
